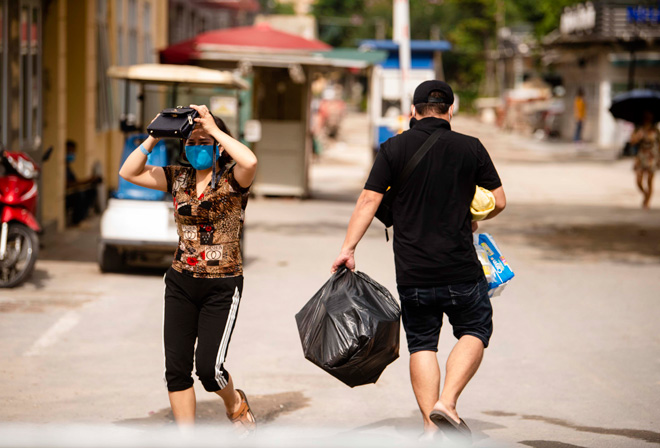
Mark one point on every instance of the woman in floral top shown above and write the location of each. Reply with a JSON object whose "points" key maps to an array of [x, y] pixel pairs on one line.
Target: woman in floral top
{"points": [[204, 284], [647, 161]]}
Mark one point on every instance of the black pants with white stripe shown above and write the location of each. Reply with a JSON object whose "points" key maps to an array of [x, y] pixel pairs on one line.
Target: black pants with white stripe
{"points": [[201, 310]]}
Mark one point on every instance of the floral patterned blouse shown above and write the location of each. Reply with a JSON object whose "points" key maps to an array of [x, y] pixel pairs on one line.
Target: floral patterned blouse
{"points": [[209, 226]]}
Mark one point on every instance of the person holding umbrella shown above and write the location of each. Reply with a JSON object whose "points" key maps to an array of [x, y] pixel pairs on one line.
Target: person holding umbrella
{"points": [[647, 137], [642, 107]]}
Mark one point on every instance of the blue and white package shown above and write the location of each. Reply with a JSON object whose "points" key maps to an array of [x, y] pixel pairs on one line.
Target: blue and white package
{"points": [[497, 270]]}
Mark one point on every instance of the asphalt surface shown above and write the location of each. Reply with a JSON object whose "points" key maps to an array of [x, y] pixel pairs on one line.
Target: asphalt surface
{"points": [[574, 360]]}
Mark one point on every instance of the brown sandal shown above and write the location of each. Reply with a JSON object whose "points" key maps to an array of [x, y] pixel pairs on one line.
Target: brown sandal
{"points": [[244, 416]]}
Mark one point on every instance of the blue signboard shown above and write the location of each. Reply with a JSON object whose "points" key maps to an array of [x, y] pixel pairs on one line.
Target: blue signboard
{"points": [[643, 14]]}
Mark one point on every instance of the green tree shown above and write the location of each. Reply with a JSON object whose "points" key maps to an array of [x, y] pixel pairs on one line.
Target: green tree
{"points": [[469, 25], [342, 23]]}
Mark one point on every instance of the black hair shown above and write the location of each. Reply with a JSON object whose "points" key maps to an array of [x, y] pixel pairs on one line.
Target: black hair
{"points": [[426, 109], [224, 158]]}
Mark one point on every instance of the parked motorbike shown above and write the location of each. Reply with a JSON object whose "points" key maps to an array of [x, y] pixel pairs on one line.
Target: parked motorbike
{"points": [[19, 241]]}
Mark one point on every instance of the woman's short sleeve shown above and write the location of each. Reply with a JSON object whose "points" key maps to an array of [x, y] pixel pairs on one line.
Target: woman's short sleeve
{"points": [[170, 174], [234, 183]]}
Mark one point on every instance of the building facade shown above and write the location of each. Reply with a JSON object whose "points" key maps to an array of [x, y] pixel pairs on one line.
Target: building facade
{"points": [[53, 85], [605, 48], [188, 18]]}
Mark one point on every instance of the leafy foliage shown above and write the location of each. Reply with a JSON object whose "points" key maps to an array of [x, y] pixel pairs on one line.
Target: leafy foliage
{"points": [[470, 26]]}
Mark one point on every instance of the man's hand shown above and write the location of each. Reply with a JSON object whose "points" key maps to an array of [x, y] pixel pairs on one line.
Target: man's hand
{"points": [[475, 226], [345, 258], [364, 212]]}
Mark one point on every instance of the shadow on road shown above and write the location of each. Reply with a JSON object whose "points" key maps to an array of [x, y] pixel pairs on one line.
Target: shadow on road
{"points": [[548, 444], [578, 232], [637, 434], [406, 425], [266, 408]]}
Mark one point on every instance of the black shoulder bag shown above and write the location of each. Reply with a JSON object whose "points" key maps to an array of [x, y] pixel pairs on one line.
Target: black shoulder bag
{"points": [[176, 122], [384, 212], [179, 122]]}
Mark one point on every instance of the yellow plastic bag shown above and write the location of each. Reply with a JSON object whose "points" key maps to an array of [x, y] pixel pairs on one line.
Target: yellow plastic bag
{"points": [[482, 204]]}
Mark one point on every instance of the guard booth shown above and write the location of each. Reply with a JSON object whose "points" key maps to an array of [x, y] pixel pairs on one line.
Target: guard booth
{"points": [[385, 112], [281, 67], [152, 242]]}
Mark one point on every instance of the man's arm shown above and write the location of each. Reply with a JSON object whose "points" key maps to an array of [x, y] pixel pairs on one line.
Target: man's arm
{"points": [[363, 214], [500, 202]]}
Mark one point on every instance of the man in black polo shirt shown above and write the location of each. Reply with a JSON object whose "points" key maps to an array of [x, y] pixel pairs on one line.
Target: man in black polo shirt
{"points": [[437, 269]]}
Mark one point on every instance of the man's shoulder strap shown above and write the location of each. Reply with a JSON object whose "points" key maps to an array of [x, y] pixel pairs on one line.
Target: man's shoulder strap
{"points": [[413, 162]]}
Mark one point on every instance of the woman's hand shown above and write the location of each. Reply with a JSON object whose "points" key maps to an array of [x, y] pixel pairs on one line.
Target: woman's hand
{"points": [[205, 119], [156, 140]]}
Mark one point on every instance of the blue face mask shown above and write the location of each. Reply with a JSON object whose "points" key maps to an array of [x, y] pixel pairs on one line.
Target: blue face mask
{"points": [[70, 157], [200, 156]]}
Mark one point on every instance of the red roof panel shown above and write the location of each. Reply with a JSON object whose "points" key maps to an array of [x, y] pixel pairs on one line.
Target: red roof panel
{"points": [[256, 37]]}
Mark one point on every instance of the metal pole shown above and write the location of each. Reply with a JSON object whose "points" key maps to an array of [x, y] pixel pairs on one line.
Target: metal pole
{"points": [[402, 37], [175, 91], [141, 94], [631, 70]]}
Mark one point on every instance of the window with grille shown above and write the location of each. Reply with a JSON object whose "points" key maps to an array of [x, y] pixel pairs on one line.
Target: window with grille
{"points": [[148, 47], [3, 69], [30, 75], [104, 111]]}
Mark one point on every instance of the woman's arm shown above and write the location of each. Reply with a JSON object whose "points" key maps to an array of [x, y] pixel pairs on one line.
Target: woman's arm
{"points": [[246, 161], [136, 171], [637, 136]]}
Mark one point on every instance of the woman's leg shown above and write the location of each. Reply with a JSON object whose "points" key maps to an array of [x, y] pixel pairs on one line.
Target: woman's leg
{"points": [[183, 406], [649, 189], [230, 397], [639, 176], [179, 335], [216, 324]]}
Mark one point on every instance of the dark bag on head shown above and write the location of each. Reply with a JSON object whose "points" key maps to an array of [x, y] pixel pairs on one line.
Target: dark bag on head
{"points": [[384, 212], [173, 123], [350, 328]]}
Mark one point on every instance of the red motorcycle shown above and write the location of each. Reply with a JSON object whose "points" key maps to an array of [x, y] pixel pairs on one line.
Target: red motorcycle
{"points": [[19, 243]]}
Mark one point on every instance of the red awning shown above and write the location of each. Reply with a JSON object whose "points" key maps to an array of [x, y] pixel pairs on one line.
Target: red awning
{"points": [[247, 38], [240, 5]]}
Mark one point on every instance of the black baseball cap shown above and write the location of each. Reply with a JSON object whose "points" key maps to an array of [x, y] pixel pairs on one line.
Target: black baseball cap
{"points": [[423, 92]]}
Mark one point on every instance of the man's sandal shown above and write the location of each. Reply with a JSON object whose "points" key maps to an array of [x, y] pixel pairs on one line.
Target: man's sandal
{"points": [[243, 416]]}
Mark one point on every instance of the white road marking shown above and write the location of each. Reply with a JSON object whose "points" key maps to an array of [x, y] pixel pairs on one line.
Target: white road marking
{"points": [[50, 337]]}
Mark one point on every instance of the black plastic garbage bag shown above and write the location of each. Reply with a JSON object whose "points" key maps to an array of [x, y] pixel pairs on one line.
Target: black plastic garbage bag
{"points": [[350, 328]]}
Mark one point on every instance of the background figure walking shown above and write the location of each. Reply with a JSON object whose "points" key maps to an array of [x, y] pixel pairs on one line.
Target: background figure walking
{"points": [[437, 270], [580, 113], [647, 138], [203, 286]]}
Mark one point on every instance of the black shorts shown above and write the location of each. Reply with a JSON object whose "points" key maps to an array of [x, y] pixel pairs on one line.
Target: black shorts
{"points": [[467, 306], [202, 311]]}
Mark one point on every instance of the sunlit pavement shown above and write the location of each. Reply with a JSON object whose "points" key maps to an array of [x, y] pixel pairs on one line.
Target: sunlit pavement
{"points": [[573, 362]]}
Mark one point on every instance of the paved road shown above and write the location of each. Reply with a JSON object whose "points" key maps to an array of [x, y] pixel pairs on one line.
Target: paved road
{"points": [[574, 360]]}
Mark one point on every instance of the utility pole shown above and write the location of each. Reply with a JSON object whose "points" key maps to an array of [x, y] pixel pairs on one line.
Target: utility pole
{"points": [[401, 21]]}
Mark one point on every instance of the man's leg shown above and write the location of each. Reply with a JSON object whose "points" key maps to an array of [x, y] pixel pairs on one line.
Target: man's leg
{"points": [[462, 364], [422, 322], [471, 317], [425, 379]]}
